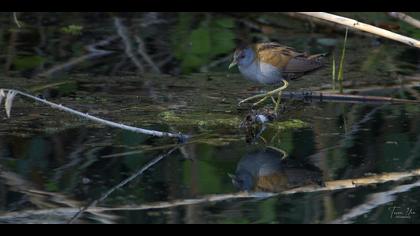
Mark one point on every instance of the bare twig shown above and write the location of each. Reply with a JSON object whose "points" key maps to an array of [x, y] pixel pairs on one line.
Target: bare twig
{"points": [[142, 51], [16, 20], [41, 199], [375, 200], [122, 183], [333, 97], [9, 101], [329, 186], [102, 121], [122, 32], [406, 18], [2, 95], [363, 27], [93, 53], [354, 183]]}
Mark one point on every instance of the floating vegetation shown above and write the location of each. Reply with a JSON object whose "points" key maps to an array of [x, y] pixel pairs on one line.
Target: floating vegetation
{"points": [[72, 29]]}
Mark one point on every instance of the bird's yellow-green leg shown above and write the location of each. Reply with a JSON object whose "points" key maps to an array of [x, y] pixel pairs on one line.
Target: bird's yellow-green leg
{"points": [[277, 103], [285, 155], [273, 100], [276, 107], [264, 96], [260, 101]]}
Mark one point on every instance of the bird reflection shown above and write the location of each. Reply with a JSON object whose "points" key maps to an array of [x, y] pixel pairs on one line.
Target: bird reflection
{"points": [[269, 171]]}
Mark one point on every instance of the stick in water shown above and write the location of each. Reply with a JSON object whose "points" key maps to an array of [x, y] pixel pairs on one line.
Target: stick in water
{"points": [[181, 137], [122, 183]]}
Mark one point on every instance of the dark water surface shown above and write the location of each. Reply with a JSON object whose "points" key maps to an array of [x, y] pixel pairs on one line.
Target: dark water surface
{"points": [[52, 163]]}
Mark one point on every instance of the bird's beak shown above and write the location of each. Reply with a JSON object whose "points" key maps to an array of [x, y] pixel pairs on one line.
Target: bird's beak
{"points": [[234, 63]]}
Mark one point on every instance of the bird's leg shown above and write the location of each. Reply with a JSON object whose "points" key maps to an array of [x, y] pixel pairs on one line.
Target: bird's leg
{"points": [[264, 96], [260, 101], [276, 107], [252, 98], [273, 100], [277, 103]]}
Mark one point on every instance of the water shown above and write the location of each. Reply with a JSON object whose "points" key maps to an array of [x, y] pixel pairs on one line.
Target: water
{"points": [[52, 163]]}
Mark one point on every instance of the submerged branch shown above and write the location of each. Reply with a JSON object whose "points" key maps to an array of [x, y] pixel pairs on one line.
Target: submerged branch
{"points": [[122, 32], [41, 199], [142, 51], [122, 183], [94, 52], [406, 18], [375, 200], [333, 97], [103, 121], [363, 27], [329, 186], [19, 25]]}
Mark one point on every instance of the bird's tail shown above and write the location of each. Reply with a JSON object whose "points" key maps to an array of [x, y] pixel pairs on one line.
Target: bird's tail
{"points": [[318, 56]]}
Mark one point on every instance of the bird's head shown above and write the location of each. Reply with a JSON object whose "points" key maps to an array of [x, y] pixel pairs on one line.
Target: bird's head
{"points": [[242, 181], [242, 56]]}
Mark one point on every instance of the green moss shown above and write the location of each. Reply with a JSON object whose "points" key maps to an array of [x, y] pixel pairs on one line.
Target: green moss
{"points": [[169, 116], [72, 29], [289, 124], [213, 121], [210, 121]]}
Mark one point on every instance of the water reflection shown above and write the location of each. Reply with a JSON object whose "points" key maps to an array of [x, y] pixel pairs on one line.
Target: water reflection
{"points": [[269, 170]]}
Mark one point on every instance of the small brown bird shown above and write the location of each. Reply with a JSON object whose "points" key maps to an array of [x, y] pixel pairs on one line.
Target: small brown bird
{"points": [[272, 63]]}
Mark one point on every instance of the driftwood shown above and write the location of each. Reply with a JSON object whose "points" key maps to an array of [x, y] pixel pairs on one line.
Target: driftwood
{"points": [[93, 52], [11, 94], [42, 200], [406, 18], [123, 33], [122, 183], [329, 186], [344, 98], [15, 19], [375, 200], [353, 24]]}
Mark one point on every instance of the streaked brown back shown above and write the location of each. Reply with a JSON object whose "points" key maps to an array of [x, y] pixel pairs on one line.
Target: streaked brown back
{"points": [[292, 63], [275, 54]]}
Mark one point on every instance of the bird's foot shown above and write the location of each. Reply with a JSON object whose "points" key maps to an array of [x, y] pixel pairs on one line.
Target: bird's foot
{"points": [[266, 95]]}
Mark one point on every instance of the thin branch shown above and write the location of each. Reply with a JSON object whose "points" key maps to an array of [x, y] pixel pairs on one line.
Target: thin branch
{"points": [[122, 183], [375, 200], [333, 97], [2, 95], [19, 25], [329, 186], [122, 32], [102, 121], [142, 51], [93, 53], [9, 101], [363, 27], [406, 18], [42, 200], [409, 83], [354, 183]]}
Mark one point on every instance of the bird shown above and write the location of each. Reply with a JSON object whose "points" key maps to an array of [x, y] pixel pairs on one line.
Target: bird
{"points": [[268, 170], [272, 63]]}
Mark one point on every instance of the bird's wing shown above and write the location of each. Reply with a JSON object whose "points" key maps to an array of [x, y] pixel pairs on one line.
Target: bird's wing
{"points": [[275, 54], [303, 64]]}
